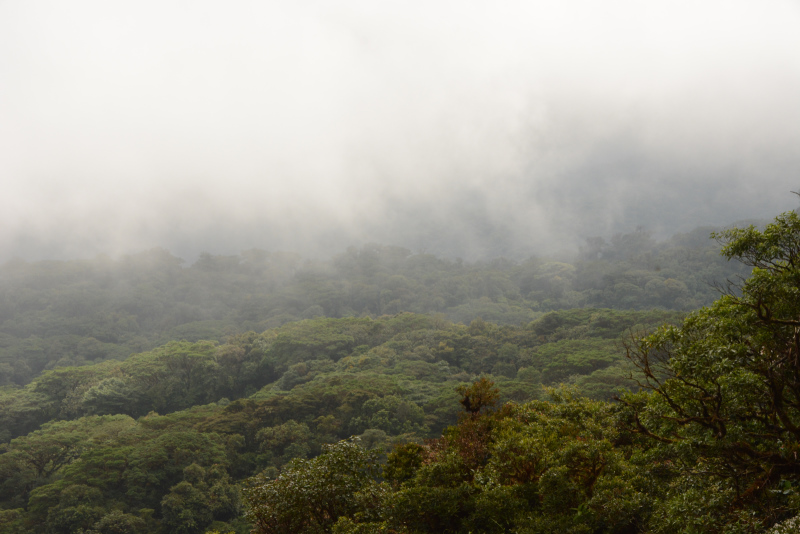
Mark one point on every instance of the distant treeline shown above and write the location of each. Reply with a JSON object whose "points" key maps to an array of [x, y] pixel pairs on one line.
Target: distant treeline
{"points": [[77, 312]]}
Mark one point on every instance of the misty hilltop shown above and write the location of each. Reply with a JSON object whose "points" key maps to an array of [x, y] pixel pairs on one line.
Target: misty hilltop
{"points": [[63, 313], [403, 266]]}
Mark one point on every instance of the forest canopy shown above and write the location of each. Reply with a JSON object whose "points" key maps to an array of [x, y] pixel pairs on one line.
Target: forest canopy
{"points": [[553, 415], [72, 313], [707, 444]]}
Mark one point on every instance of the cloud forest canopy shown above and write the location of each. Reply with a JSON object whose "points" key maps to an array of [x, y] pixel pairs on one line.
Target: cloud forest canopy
{"points": [[83, 311], [166, 440], [708, 445]]}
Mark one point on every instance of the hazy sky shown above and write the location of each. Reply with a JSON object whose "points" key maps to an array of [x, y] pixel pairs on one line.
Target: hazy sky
{"points": [[464, 128]]}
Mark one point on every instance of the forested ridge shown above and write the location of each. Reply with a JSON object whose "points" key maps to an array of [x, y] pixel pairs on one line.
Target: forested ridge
{"points": [[84, 311], [385, 391]]}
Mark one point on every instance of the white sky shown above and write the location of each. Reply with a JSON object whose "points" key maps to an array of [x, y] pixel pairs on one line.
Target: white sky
{"points": [[220, 126]]}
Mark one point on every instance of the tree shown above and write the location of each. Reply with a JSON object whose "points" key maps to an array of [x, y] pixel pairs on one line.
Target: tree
{"points": [[117, 522], [725, 387], [479, 395], [309, 496], [543, 467]]}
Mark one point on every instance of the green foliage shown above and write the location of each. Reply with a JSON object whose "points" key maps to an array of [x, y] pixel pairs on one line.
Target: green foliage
{"points": [[725, 389], [557, 466], [76, 313], [392, 414], [311, 495], [396, 384], [403, 462], [234, 402], [116, 522], [479, 395], [706, 445]]}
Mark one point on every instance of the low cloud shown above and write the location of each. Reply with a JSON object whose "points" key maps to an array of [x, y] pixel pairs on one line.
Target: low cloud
{"points": [[466, 129]]}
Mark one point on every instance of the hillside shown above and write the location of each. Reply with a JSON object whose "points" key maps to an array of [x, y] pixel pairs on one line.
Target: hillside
{"points": [[139, 394]]}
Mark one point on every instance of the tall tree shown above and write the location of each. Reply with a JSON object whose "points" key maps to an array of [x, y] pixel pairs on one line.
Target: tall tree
{"points": [[725, 386]]}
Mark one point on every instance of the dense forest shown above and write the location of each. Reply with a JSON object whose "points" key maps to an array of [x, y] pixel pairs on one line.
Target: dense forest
{"points": [[57, 314], [383, 391]]}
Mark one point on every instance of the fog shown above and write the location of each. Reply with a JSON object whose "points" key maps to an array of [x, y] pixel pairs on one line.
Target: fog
{"points": [[467, 129]]}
